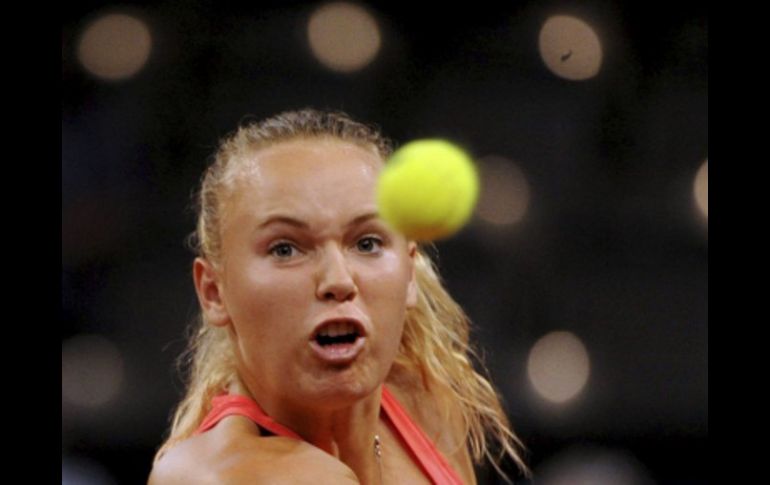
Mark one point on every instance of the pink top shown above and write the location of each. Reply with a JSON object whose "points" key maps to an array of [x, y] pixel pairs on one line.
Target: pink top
{"points": [[422, 449]]}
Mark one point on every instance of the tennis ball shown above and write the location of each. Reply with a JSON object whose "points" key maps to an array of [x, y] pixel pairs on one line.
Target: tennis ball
{"points": [[428, 189]]}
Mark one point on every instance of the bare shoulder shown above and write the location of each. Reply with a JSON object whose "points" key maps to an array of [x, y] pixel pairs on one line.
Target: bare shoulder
{"points": [[198, 459], [438, 415], [233, 452]]}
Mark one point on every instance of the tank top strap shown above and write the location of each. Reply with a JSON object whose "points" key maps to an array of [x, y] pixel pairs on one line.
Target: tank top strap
{"points": [[227, 405], [422, 449], [429, 458]]}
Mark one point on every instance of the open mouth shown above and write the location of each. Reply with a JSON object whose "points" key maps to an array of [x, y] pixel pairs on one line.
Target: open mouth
{"points": [[337, 333], [339, 341]]}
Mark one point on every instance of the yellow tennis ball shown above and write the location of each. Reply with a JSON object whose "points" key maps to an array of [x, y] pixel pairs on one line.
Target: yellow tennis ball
{"points": [[428, 189]]}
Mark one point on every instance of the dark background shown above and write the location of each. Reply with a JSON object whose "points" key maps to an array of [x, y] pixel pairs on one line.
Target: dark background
{"points": [[612, 250]]}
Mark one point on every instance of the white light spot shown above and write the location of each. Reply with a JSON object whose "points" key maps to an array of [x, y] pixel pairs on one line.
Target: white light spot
{"points": [[558, 366], [92, 371], [701, 189], [344, 37], [83, 471], [570, 48], [115, 46], [589, 465], [505, 192]]}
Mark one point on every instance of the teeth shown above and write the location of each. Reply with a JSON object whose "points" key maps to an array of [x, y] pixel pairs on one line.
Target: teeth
{"points": [[336, 329]]}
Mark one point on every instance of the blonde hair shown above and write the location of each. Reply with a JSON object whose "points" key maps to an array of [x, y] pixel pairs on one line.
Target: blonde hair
{"points": [[435, 343]]}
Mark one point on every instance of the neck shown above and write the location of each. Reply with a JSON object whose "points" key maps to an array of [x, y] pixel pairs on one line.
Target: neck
{"points": [[346, 432]]}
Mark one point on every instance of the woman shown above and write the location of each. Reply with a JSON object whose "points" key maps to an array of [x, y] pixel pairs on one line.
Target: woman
{"points": [[327, 349]]}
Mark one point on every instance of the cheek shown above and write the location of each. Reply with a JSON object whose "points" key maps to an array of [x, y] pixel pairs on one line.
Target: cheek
{"points": [[270, 307], [384, 291], [270, 318]]}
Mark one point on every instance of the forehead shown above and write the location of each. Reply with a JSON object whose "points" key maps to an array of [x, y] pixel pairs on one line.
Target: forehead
{"points": [[305, 171]]}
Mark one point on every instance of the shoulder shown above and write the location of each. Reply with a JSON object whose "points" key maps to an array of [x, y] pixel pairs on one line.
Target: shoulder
{"points": [[199, 458], [438, 415], [233, 452]]}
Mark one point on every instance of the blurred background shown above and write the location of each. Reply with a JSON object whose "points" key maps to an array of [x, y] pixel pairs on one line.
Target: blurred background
{"points": [[584, 269]]}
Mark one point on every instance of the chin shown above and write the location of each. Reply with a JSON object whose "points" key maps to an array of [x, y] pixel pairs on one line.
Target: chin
{"points": [[341, 390]]}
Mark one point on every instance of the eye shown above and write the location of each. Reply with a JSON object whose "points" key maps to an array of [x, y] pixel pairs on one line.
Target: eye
{"points": [[369, 244], [282, 250]]}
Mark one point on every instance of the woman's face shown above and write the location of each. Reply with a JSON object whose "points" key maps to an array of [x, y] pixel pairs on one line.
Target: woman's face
{"points": [[302, 246]]}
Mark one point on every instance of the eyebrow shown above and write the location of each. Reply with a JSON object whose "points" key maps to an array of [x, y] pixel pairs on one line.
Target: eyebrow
{"points": [[276, 218]]}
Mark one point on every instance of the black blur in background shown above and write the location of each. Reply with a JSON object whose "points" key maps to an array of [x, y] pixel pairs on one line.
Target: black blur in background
{"points": [[612, 248]]}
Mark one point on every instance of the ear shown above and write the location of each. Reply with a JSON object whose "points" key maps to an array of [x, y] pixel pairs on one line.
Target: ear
{"points": [[208, 286], [411, 290]]}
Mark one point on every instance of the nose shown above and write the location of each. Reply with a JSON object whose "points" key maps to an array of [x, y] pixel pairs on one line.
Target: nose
{"points": [[335, 280]]}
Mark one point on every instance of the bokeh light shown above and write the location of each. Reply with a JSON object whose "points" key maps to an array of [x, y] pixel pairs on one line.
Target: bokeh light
{"points": [[78, 470], [570, 48], [701, 189], [344, 37], [592, 465], [92, 371], [558, 366], [115, 46], [505, 192]]}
